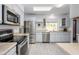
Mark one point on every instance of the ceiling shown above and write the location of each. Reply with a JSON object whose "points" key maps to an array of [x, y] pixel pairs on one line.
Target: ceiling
{"points": [[28, 9]]}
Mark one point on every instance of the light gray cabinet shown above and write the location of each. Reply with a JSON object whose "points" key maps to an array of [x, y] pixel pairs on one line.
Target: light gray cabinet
{"points": [[64, 22], [38, 36], [60, 37]]}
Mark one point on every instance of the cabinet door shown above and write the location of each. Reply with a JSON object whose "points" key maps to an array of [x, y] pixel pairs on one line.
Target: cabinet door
{"points": [[39, 37], [52, 37], [12, 51], [59, 37], [55, 37]]}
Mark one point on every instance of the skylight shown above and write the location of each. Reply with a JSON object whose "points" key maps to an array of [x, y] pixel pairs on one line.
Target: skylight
{"points": [[42, 8], [59, 5]]}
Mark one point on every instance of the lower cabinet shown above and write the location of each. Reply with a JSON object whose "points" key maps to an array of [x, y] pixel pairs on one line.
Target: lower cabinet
{"points": [[60, 37], [12, 51], [57, 37], [39, 37]]}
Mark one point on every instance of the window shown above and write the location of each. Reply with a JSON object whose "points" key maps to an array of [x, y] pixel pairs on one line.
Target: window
{"points": [[52, 26]]}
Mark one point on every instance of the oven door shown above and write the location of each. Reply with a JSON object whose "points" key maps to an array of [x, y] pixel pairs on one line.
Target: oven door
{"points": [[23, 47]]}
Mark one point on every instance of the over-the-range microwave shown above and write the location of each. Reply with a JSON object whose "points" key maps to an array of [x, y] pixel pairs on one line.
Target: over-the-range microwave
{"points": [[9, 16]]}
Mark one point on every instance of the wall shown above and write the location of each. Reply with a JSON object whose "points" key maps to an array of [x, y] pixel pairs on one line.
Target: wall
{"points": [[0, 13], [18, 8], [74, 12], [57, 18]]}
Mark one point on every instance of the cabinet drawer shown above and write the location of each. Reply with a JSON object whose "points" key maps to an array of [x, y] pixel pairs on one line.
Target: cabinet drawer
{"points": [[12, 51]]}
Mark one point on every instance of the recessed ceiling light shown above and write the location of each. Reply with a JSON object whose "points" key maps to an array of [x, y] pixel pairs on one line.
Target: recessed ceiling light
{"points": [[42, 8], [59, 5]]}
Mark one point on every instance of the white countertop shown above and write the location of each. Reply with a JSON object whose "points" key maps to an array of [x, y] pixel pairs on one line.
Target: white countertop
{"points": [[71, 48], [54, 31], [5, 47], [77, 34], [20, 34]]}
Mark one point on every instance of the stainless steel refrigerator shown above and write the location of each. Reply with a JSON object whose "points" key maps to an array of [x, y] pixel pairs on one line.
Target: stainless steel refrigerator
{"points": [[28, 28], [45, 35]]}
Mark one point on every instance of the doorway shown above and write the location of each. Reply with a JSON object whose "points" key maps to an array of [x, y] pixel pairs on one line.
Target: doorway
{"points": [[74, 30]]}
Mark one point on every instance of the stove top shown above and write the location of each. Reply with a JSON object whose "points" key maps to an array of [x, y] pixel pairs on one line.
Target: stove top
{"points": [[18, 39]]}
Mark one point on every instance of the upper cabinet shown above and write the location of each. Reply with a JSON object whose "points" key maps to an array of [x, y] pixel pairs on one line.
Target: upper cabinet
{"points": [[62, 22], [65, 22]]}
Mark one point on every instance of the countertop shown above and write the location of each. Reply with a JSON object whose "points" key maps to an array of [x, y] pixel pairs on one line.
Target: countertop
{"points": [[77, 34], [5, 47], [53, 31], [71, 48], [20, 34]]}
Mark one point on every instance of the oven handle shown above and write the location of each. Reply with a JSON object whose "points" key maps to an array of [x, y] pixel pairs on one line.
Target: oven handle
{"points": [[23, 43]]}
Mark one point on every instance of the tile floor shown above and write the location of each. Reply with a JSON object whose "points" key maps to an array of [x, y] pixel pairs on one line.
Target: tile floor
{"points": [[45, 49]]}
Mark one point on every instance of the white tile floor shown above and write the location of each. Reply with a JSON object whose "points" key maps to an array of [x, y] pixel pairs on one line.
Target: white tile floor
{"points": [[45, 49]]}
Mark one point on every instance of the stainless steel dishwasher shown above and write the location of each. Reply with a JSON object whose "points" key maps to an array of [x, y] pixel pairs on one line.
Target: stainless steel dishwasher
{"points": [[46, 37]]}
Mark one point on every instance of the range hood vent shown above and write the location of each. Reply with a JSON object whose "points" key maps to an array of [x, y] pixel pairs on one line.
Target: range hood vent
{"points": [[44, 22]]}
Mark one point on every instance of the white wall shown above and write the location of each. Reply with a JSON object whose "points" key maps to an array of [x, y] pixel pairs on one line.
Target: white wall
{"points": [[74, 10], [0, 13], [39, 18], [18, 8]]}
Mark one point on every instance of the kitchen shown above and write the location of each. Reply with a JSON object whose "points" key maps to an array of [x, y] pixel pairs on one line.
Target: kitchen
{"points": [[13, 39], [44, 23], [34, 28]]}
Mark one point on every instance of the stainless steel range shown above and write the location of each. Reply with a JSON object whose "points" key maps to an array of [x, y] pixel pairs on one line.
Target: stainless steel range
{"points": [[21, 47]]}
